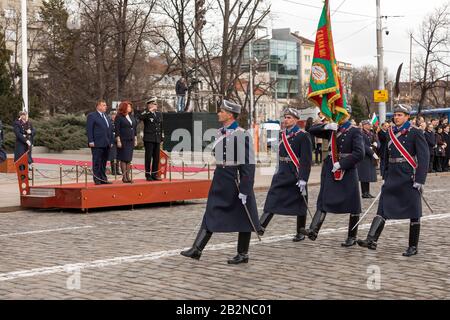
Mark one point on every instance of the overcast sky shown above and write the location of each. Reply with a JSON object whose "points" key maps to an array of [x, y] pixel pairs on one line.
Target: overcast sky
{"points": [[355, 34]]}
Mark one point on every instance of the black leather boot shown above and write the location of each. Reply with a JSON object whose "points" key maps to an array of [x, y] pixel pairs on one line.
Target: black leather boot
{"points": [[374, 233], [414, 231], [315, 225], [242, 248], [351, 238], [200, 242], [301, 223], [264, 221]]}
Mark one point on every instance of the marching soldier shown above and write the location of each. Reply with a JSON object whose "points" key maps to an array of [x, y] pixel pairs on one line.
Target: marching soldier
{"points": [[152, 138], [339, 196], [406, 165], [231, 205], [367, 168], [288, 192]]}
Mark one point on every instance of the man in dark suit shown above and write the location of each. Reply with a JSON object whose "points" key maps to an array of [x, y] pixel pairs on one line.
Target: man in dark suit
{"points": [[152, 138], [24, 131], [100, 138]]}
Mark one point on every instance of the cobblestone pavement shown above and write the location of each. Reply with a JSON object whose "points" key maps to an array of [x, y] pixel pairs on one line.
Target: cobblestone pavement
{"points": [[134, 254]]}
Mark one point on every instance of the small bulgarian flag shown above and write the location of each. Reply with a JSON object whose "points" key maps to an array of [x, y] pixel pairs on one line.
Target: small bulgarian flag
{"points": [[374, 121]]}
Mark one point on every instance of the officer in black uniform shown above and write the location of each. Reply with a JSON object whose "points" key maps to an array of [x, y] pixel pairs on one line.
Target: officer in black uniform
{"points": [[231, 205], [367, 170], [152, 138], [288, 192], [401, 191], [339, 196]]}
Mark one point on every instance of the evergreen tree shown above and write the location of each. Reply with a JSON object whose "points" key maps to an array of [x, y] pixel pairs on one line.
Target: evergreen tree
{"points": [[357, 109]]}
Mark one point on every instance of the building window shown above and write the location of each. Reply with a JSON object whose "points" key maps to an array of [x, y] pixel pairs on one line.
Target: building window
{"points": [[10, 13], [10, 35], [307, 72], [307, 58]]}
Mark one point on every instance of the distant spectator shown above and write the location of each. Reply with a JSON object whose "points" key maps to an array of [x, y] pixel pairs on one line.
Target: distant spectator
{"points": [[181, 88], [3, 155], [24, 131], [446, 135]]}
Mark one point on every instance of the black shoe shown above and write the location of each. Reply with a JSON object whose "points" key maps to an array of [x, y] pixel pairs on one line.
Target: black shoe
{"points": [[411, 251], [374, 233], [200, 242], [370, 196], [149, 178], [349, 242], [298, 237], [261, 231], [240, 258], [156, 178], [97, 183], [193, 253], [107, 182], [315, 226], [366, 196]]}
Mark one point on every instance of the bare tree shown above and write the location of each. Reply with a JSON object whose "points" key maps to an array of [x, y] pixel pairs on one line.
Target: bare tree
{"points": [[433, 38]]}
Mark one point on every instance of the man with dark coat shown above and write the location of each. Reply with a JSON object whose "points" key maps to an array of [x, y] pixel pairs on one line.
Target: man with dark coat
{"points": [[152, 138], [446, 136], [405, 174], [367, 170], [231, 205], [339, 196], [382, 138], [24, 131], [100, 139], [430, 137], [288, 192]]}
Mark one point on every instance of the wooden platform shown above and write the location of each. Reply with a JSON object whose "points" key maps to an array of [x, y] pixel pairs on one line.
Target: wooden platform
{"points": [[8, 166], [81, 196]]}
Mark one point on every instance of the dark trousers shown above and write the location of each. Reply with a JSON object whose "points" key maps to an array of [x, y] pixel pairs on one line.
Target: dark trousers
{"points": [[445, 164], [99, 160], [438, 163], [430, 167], [318, 153], [365, 187], [151, 159]]}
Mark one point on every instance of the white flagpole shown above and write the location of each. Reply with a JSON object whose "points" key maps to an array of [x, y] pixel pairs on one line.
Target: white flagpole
{"points": [[24, 56]]}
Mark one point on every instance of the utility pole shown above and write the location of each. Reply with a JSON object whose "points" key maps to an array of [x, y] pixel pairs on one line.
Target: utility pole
{"points": [[24, 56], [381, 105], [198, 26], [250, 57]]}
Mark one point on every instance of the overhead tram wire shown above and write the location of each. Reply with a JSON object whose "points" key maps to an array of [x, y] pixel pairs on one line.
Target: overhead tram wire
{"points": [[317, 7]]}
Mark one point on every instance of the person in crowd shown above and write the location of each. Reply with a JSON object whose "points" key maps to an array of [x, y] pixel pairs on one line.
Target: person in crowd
{"points": [[367, 168], [24, 132], [430, 137], [3, 155], [440, 149], [100, 139], [180, 89], [126, 138], [446, 136]]}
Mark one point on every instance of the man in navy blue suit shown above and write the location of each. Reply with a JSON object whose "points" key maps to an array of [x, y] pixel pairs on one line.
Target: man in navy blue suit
{"points": [[100, 138]]}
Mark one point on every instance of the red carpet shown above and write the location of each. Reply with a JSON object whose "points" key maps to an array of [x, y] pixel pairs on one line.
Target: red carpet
{"points": [[89, 164]]}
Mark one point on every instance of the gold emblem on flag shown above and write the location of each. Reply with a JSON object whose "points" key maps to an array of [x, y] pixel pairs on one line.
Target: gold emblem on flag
{"points": [[319, 73]]}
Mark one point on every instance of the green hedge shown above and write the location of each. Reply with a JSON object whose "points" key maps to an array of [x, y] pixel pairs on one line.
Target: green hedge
{"points": [[61, 132]]}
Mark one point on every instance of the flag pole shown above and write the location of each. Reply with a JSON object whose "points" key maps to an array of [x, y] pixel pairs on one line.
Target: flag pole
{"points": [[24, 43]]}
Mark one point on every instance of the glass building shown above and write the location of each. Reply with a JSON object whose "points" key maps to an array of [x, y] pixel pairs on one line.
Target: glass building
{"points": [[281, 59]]}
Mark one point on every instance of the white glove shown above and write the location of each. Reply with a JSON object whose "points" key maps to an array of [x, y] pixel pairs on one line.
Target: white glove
{"points": [[375, 156], [336, 167], [29, 143], [375, 144], [243, 198], [418, 186], [29, 131], [301, 185], [331, 126]]}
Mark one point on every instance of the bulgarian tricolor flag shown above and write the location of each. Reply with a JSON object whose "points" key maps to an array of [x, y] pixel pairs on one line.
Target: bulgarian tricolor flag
{"points": [[325, 88], [374, 121]]}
